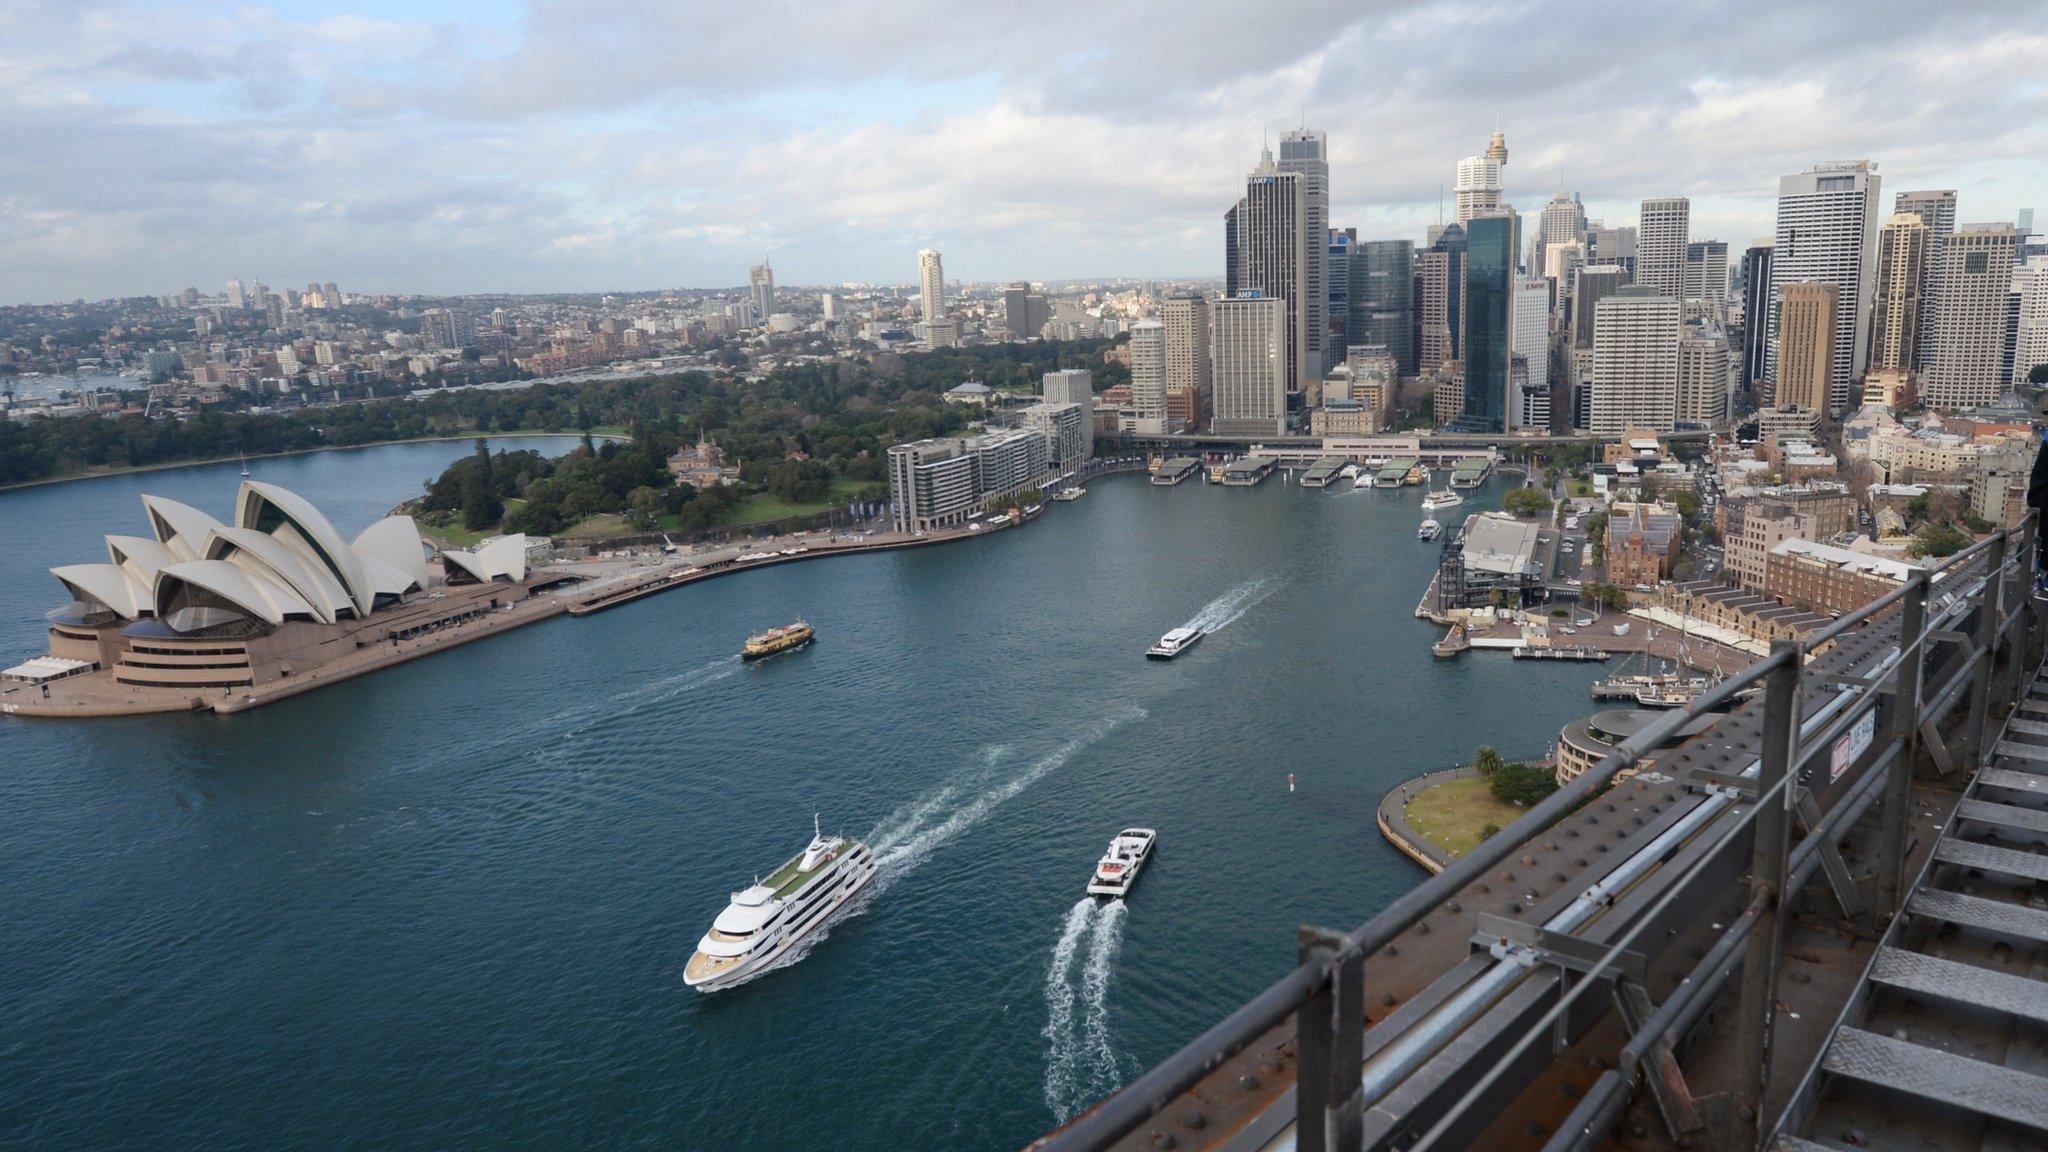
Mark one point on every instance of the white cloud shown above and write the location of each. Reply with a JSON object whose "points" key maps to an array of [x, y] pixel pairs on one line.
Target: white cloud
{"points": [[640, 143]]}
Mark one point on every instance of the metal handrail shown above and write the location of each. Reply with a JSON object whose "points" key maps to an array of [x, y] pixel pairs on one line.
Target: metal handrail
{"points": [[1144, 1097]]}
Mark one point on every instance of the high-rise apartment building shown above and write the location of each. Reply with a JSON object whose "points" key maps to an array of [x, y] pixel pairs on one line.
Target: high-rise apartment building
{"points": [[1025, 312], [1706, 275], [237, 297], [1489, 321], [1435, 296], [1936, 208], [1382, 285], [761, 286], [931, 286], [939, 483], [1478, 186], [1635, 361], [1756, 299], [1965, 346], [1306, 153], [1703, 378], [1531, 343], [1272, 253], [1073, 386], [1148, 376], [1808, 328], [1186, 319], [1594, 282], [1827, 233], [1895, 320], [1248, 362], [1660, 245]]}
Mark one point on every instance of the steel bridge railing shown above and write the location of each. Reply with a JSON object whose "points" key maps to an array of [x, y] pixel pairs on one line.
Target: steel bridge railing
{"points": [[1991, 579]]}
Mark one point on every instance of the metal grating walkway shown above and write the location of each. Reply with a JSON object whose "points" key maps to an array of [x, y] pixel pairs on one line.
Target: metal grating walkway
{"points": [[1952, 1009]]}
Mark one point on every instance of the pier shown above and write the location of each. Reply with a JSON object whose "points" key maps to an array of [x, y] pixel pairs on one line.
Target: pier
{"points": [[1323, 471], [1398, 472], [1249, 471], [1176, 469]]}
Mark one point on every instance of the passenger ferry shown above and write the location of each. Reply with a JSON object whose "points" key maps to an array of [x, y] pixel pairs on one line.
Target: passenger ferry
{"points": [[1175, 642], [1442, 498], [1118, 869], [766, 920], [1066, 494], [1428, 530], [777, 640]]}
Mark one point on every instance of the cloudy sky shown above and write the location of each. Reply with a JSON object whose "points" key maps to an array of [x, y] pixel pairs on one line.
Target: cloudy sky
{"points": [[558, 145]]}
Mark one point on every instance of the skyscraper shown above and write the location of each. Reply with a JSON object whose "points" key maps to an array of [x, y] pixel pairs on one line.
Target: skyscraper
{"points": [[237, 298], [931, 286], [1635, 361], [1383, 299], [1531, 342], [1593, 283], [1478, 187], [1660, 245], [1306, 153], [1186, 319], [1809, 326], [1025, 312], [1273, 254], [1965, 347], [1703, 381], [1827, 233], [1148, 376], [1489, 321], [761, 283], [1706, 275], [1936, 208], [1337, 323], [1248, 359], [1611, 246], [1895, 322], [1563, 221], [1756, 297], [2030, 336]]}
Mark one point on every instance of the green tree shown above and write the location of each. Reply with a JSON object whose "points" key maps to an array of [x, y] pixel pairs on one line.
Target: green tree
{"points": [[644, 508], [1488, 830], [1938, 540], [481, 508], [1487, 761], [1526, 502], [2038, 374], [1523, 784]]}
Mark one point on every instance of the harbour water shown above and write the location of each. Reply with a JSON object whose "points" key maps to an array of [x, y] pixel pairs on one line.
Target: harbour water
{"points": [[448, 905]]}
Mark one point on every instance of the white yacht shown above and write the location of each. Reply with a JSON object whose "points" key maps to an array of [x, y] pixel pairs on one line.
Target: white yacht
{"points": [[1444, 498], [768, 919], [1428, 530], [1118, 869], [1174, 643]]}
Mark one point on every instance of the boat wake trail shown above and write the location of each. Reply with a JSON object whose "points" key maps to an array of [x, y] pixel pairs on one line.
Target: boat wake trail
{"points": [[1226, 609], [1081, 1063], [551, 732], [912, 833]]}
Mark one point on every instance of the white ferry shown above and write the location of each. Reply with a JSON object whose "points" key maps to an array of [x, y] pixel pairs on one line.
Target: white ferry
{"points": [[765, 921], [1428, 530], [1066, 494], [1443, 498], [1118, 869], [1174, 643]]}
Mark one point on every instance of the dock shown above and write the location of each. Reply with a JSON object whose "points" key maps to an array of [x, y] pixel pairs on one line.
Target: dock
{"points": [[1470, 474], [1396, 472], [1176, 469], [1323, 471], [1249, 471], [1569, 652]]}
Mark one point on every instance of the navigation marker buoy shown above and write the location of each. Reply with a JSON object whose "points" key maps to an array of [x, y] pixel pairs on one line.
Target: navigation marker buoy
{"points": [[1290, 781]]}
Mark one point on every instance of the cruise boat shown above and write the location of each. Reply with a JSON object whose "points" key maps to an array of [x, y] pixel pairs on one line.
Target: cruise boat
{"points": [[1066, 494], [777, 640], [1428, 530], [1175, 642], [1118, 869], [1442, 498], [767, 919]]}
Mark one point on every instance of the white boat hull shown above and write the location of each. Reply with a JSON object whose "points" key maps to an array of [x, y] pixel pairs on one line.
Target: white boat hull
{"points": [[764, 959]]}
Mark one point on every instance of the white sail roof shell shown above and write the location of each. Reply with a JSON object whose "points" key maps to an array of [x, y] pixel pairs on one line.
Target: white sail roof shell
{"points": [[272, 559], [501, 559], [141, 556], [110, 585], [311, 532], [180, 527], [395, 540], [265, 599]]}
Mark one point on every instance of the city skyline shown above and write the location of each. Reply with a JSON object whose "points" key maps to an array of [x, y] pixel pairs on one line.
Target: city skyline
{"points": [[537, 151]]}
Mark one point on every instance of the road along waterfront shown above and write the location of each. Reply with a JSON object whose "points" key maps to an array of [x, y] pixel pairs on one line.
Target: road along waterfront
{"points": [[449, 904]]}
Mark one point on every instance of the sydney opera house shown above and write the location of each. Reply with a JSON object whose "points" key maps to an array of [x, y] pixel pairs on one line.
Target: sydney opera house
{"points": [[200, 608]]}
